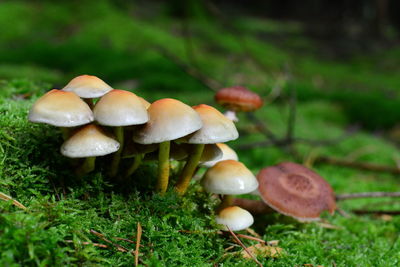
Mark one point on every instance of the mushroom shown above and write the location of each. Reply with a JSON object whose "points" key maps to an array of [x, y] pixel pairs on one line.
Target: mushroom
{"points": [[216, 128], [227, 153], [169, 120], [88, 142], [234, 218], [238, 98], [88, 87], [229, 177], [119, 108], [62, 109], [296, 191]]}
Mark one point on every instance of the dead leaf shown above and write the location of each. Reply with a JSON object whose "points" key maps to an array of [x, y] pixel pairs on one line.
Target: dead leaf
{"points": [[262, 250]]}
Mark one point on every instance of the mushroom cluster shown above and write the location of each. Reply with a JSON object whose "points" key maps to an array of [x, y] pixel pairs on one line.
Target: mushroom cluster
{"points": [[97, 120]]}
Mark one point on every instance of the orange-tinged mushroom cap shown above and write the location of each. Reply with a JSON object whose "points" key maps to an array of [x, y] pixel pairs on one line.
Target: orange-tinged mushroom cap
{"points": [[87, 86], [62, 109], [296, 191], [120, 108], [170, 119]]}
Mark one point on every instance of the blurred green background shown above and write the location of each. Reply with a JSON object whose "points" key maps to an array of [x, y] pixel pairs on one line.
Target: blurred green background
{"points": [[340, 59]]}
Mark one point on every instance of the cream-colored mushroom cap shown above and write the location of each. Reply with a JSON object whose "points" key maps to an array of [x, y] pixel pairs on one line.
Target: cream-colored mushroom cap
{"points": [[235, 218], [62, 109], [120, 108], [216, 127], [89, 141], [145, 102], [211, 152], [227, 153], [87, 86], [229, 177], [170, 119]]}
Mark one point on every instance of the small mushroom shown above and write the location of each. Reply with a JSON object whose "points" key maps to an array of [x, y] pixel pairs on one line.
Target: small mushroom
{"points": [[89, 142], [88, 87], [119, 108], [216, 128], [236, 99], [229, 177], [227, 153], [235, 218], [62, 109], [296, 191], [169, 120]]}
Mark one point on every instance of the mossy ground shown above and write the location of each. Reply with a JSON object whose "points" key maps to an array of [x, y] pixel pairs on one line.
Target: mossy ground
{"points": [[62, 209]]}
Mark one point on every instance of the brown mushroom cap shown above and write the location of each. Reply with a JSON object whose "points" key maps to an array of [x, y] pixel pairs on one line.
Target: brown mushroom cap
{"points": [[296, 191], [62, 109], [87, 86], [238, 98]]}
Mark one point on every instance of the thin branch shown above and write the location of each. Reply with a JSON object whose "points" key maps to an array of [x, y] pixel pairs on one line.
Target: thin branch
{"points": [[367, 195], [102, 237], [15, 202], [243, 246], [377, 212], [261, 127], [191, 71], [89, 243], [292, 115], [357, 165], [138, 238]]}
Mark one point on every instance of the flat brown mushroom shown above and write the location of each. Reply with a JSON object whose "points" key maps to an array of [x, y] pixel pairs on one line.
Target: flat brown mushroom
{"points": [[296, 191]]}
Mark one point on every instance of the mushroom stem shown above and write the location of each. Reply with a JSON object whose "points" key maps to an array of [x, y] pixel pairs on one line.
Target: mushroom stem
{"points": [[87, 166], [227, 200], [189, 169], [136, 163], [119, 135], [89, 101], [163, 167], [66, 132], [253, 206], [231, 114]]}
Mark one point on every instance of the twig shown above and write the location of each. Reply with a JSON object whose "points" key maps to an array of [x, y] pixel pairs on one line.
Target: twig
{"points": [[89, 243], [125, 239], [191, 71], [15, 202], [243, 246], [261, 127], [138, 238], [102, 237], [378, 212], [367, 195], [358, 165]]}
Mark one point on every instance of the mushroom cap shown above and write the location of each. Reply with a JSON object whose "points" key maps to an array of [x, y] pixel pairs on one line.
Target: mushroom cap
{"points": [[145, 103], [235, 218], [227, 153], [170, 119], [229, 177], [62, 109], [120, 108], [211, 152], [87, 86], [296, 191], [89, 141], [216, 127], [238, 98]]}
